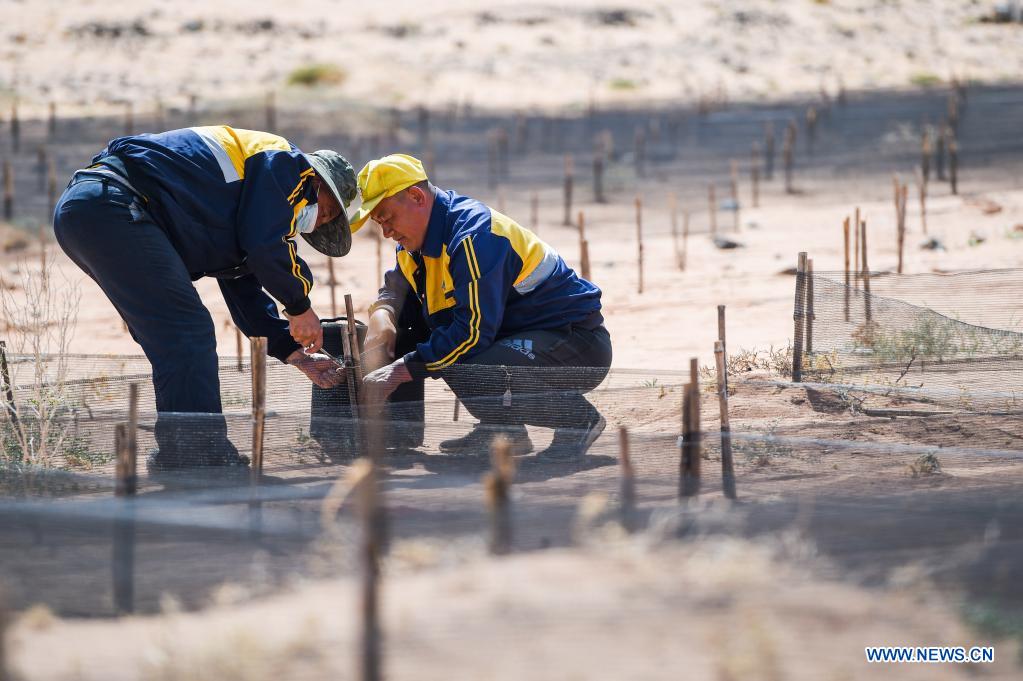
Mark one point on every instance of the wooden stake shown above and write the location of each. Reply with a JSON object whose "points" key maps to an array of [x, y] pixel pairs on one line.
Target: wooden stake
{"points": [[369, 507], [569, 170], [640, 152], [788, 152], [8, 190], [939, 153], [15, 128], [866, 270], [124, 485], [798, 333], [458, 404], [673, 212], [921, 185], [257, 351], [123, 558], [41, 163], [521, 134], [534, 212], [51, 185], [735, 195], [721, 331], [712, 209], [584, 249], [810, 316], [627, 482], [51, 124], [43, 271], [727, 466], [755, 175], [685, 239], [423, 116], [953, 162], [811, 128], [158, 115], [497, 484], [353, 340], [845, 242], [691, 448], [129, 118], [271, 111], [5, 374], [332, 284], [639, 242], [769, 150], [238, 348], [856, 248], [598, 177], [5, 623], [492, 172], [925, 154], [503, 164]]}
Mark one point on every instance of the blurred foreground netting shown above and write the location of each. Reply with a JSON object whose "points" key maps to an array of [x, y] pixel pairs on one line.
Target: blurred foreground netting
{"points": [[865, 508]]}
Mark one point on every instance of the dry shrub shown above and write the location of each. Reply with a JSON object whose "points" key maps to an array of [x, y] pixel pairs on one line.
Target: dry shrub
{"points": [[40, 315]]}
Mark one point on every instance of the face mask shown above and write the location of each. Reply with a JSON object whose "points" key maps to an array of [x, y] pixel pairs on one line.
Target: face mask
{"points": [[306, 219]]}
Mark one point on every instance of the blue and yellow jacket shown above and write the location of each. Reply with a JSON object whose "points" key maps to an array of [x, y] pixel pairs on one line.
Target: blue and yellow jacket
{"points": [[228, 200], [478, 277]]}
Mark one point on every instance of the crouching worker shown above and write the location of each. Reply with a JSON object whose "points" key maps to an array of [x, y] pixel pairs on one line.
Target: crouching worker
{"points": [[155, 212], [479, 301]]}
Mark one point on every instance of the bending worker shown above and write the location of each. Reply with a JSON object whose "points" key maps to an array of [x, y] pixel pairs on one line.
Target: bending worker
{"points": [[155, 212], [483, 303]]}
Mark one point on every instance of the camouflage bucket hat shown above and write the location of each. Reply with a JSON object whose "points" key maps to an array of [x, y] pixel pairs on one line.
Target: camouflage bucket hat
{"points": [[335, 237]]}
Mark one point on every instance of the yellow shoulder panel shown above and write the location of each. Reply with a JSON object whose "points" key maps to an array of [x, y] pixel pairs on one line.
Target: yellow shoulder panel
{"points": [[528, 246], [241, 144]]}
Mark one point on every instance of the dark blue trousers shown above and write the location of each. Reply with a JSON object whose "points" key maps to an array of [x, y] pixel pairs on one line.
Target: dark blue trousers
{"points": [[105, 230]]}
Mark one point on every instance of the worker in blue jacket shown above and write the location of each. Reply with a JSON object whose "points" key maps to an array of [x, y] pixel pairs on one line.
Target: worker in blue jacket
{"points": [[155, 212], [483, 303]]}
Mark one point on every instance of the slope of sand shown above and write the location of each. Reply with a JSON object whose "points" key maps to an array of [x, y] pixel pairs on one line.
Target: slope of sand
{"points": [[501, 54]]}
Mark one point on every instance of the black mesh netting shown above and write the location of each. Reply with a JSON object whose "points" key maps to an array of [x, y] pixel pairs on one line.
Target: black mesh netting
{"points": [[869, 479], [953, 339]]}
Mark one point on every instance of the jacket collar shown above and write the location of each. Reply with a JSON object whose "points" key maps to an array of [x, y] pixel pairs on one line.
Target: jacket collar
{"points": [[436, 228]]}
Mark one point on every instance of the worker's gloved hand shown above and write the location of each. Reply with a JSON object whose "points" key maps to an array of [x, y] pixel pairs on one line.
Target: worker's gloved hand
{"points": [[381, 334], [305, 328], [320, 369], [385, 380]]}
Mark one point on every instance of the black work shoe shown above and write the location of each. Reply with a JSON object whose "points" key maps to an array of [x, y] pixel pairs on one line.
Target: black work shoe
{"points": [[478, 441], [159, 461], [571, 444]]}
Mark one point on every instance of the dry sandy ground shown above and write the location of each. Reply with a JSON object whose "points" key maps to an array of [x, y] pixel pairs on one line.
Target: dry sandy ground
{"points": [[706, 609], [505, 54], [712, 609]]}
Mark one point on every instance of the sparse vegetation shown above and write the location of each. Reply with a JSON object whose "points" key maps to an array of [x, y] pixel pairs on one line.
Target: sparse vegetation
{"points": [[925, 80], [312, 75]]}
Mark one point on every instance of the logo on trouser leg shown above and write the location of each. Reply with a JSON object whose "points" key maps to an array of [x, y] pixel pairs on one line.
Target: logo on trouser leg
{"points": [[521, 345]]}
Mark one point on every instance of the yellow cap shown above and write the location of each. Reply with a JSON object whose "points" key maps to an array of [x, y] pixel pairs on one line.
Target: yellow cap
{"points": [[382, 178]]}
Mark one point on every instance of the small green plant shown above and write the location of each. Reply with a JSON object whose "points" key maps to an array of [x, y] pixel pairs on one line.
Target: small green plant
{"points": [[623, 84], [925, 464], [317, 74], [925, 79]]}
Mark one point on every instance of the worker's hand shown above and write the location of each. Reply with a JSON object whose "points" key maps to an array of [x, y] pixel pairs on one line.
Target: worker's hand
{"points": [[381, 334], [320, 369], [385, 380], [305, 328]]}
